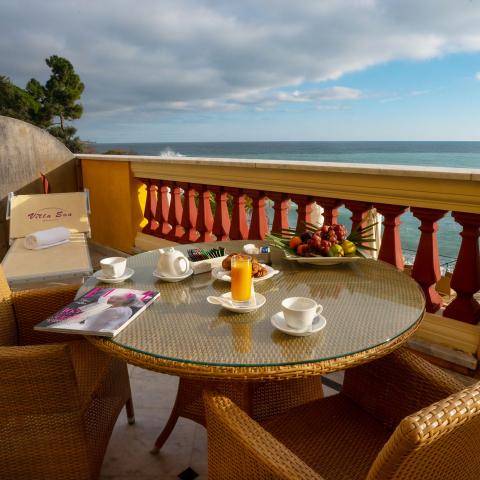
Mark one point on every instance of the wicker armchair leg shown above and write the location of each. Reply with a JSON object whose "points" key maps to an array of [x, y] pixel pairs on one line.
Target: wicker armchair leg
{"points": [[130, 411]]}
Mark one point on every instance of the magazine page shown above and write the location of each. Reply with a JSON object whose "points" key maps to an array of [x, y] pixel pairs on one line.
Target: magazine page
{"points": [[100, 311]]}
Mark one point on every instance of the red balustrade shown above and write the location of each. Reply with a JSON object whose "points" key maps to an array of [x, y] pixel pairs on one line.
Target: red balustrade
{"points": [[175, 213], [280, 208], [426, 268], [239, 225], [189, 216], [259, 221], [150, 206], [359, 212], [466, 276], [330, 209], [205, 216], [221, 221], [161, 212], [166, 217], [391, 248], [304, 210]]}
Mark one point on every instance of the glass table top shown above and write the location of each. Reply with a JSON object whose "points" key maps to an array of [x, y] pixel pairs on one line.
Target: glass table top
{"points": [[366, 304]]}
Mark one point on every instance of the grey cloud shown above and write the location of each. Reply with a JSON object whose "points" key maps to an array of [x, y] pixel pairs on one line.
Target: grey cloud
{"points": [[152, 57]]}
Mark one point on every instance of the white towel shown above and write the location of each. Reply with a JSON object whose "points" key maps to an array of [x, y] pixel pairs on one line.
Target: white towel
{"points": [[47, 238]]}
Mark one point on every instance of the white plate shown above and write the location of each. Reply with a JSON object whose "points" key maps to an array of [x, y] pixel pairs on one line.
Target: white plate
{"points": [[127, 274], [321, 260], [172, 279], [279, 322], [220, 274], [254, 304]]}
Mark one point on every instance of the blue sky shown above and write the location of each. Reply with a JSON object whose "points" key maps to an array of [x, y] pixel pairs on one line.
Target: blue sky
{"points": [[435, 99], [201, 70]]}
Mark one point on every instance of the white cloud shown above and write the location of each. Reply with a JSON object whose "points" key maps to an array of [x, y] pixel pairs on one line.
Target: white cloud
{"points": [[162, 56], [413, 93], [477, 76]]}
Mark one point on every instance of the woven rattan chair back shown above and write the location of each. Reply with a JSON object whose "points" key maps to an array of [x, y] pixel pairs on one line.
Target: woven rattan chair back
{"points": [[8, 329], [238, 447], [440, 441]]}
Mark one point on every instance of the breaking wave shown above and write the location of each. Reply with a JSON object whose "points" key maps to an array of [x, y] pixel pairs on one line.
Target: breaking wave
{"points": [[168, 152]]}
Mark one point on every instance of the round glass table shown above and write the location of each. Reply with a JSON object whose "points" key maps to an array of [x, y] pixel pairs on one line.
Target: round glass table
{"points": [[370, 307]]}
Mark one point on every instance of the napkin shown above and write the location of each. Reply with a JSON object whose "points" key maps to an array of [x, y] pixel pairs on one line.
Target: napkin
{"points": [[47, 238]]}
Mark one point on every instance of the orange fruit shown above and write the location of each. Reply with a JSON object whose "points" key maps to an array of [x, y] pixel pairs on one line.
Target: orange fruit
{"points": [[295, 242]]}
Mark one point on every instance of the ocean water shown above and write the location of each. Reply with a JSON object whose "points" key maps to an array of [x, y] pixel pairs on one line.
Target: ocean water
{"points": [[440, 154]]}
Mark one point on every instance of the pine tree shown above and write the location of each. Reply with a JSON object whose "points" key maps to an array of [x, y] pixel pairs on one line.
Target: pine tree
{"points": [[48, 106]]}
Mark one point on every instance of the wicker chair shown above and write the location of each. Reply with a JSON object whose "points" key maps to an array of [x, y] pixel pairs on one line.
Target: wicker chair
{"points": [[396, 418], [58, 401]]}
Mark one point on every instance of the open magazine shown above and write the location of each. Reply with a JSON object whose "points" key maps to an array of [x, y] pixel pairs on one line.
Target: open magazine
{"points": [[100, 311]]}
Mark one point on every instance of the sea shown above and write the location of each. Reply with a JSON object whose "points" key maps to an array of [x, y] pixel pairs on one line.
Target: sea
{"points": [[425, 153]]}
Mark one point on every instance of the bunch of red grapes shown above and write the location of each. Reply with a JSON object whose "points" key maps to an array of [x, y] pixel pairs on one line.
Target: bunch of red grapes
{"points": [[321, 240]]}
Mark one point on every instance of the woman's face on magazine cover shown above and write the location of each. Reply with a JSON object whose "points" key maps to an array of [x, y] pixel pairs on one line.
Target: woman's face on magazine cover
{"points": [[121, 300]]}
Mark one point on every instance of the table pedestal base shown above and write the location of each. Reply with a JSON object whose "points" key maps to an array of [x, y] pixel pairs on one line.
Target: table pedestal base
{"points": [[259, 399]]}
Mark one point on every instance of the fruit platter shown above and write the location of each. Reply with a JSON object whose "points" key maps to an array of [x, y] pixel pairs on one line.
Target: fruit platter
{"points": [[325, 244]]}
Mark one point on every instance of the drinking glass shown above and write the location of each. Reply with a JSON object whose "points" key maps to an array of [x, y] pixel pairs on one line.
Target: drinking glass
{"points": [[241, 273]]}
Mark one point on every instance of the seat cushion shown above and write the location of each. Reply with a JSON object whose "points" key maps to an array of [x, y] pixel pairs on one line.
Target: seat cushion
{"points": [[70, 260], [332, 435]]}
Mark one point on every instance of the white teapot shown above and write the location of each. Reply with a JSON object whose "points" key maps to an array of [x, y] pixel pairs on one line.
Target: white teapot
{"points": [[172, 263]]}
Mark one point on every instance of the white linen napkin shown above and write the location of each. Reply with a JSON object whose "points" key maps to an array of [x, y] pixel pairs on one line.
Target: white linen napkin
{"points": [[47, 238]]}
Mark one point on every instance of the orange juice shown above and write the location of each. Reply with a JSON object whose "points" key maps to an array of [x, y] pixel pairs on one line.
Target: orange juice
{"points": [[241, 274]]}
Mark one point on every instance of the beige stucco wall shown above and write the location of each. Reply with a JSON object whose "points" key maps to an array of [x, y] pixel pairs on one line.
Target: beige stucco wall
{"points": [[25, 152]]}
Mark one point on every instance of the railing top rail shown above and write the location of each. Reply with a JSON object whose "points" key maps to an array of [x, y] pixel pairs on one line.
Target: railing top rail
{"points": [[468, 174]]}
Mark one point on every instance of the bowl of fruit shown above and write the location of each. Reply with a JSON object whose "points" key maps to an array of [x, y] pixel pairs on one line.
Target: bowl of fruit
{"points": [[325, 244]]}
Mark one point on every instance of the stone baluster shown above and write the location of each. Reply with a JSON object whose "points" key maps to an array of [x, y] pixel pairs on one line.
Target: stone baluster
{"points": [[175, 213], [359, 212], [391, 248], [304, 210], [189, 217], [239, 224], [280, 208], [426, 267], [330, 209], [466, 276], [221, 221], [150, 206], [205, 216], [161, 215], [258, 222]]}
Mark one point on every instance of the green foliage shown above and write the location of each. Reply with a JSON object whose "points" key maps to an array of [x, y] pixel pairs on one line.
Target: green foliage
{"points": [[48, 106], [16, 102], [67, 136], [62, 90]]}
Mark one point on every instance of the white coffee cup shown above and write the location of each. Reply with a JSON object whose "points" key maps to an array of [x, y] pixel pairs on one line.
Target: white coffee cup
{"points": [[299, 312], [113, 267]]}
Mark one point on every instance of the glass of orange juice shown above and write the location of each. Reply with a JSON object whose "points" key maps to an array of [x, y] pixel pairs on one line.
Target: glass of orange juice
{"points": [[241, 274]]}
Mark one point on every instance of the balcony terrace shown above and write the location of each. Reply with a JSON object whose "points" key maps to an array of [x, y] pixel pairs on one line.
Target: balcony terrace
{"points": [[141, 203]]}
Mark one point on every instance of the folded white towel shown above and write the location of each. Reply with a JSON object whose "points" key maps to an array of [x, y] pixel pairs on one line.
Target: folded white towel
{"points": [[47, 238]]}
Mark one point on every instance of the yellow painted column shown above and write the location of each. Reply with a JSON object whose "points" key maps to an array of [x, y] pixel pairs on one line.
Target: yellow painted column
{"points": [[117, 201]]}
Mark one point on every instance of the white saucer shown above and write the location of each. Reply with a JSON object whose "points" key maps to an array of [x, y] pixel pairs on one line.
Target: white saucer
{"points": [[220, 274], [128, 273], [279, 322], [172, 279], [254, 304]]}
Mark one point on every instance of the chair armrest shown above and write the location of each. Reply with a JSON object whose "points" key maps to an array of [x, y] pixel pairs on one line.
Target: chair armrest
{"points": [[397, 385], [37, 380], [33, 306], [437, 439], [238, 447]]}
